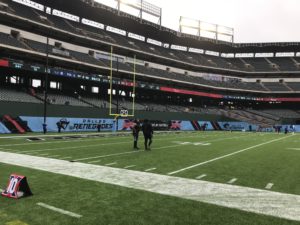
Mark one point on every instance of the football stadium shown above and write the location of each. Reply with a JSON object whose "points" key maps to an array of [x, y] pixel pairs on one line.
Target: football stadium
{"points": [[109, 117]]}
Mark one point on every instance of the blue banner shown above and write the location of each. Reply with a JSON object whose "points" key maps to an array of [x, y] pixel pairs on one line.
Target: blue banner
{"points": [[237, 126], [3, 129], [69, 124]]}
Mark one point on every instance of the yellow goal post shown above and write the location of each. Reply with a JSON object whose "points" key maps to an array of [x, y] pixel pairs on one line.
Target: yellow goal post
{"points": [[122, 112]]}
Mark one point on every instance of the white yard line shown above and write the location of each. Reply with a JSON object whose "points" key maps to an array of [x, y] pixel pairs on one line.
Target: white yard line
{"points": [[56, 135], [111, 164], [269, 186], [247, 199], [233, 180], [62, 211], [150, 169], [201, 176], [227, 155], [130, 166], [294, 149]]}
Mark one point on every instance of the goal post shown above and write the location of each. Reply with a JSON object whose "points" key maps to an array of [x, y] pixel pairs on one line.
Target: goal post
{"points": [[121, 112]]}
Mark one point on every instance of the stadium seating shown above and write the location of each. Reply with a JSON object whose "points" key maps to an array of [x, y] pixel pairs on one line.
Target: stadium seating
{"points": [[283, 113], [295, 86], [85, 57], [59, 99], [276, 87], [10, 95], [245, 64]]}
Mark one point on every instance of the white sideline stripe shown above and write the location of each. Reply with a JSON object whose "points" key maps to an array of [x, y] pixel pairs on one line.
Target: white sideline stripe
{"points": [[95, 161], [127, 167], [201, 176], [74, 147], [232, 181], [108, 134], [247, 199], [103, 144], [87, 140], [151, 169], [269, 186], [59, 142], [122, 153], [225, 156], [110, 164], [62, 211]]}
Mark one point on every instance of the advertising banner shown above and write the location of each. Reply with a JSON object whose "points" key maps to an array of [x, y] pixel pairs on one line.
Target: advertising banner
{"points": [[69, 124], [3, 129]]}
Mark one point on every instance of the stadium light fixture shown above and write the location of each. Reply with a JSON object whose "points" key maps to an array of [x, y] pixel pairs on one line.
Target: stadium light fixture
{"points": [[204, 29], [187, 22]]}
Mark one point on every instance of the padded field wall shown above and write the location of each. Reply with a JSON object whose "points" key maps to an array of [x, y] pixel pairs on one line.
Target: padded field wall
{"points": [[32, 109]]}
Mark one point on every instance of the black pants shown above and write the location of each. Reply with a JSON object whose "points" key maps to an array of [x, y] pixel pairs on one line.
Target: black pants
{"points": [[135, 140], [148, 141]]}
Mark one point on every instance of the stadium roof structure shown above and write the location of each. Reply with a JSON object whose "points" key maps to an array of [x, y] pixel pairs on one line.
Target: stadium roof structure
{"points": [[122, 20]]}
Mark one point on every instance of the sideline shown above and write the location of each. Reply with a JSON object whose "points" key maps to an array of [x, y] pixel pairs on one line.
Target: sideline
{"points": [[247, 199]]}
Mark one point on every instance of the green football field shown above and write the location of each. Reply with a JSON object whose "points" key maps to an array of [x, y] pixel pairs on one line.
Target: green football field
{"points": [[264, 161]]}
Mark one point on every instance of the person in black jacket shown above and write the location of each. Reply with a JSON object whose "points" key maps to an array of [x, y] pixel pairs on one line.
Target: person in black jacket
{"points": [[44, 128], [135, 132], [148, 133]]}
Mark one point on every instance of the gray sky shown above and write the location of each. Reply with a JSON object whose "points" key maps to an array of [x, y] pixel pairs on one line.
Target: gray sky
{"points": [[252, 20]]}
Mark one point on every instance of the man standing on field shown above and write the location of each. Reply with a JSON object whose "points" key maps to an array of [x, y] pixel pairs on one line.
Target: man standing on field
{"points": [[135, 132], [148, 133]]}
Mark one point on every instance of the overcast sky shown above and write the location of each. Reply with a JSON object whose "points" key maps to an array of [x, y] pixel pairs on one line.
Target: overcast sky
{"points": [[252, 20]]}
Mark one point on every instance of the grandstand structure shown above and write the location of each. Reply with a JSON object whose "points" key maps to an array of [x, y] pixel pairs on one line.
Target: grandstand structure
{"points": [[66, 47]]}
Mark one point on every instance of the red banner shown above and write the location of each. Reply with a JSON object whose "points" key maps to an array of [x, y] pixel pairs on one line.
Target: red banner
{"points": [[187, 92], [4, 63]]}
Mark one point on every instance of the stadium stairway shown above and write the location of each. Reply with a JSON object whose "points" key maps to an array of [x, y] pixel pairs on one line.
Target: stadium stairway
{"points": [[13, 125], [248, 117]]}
